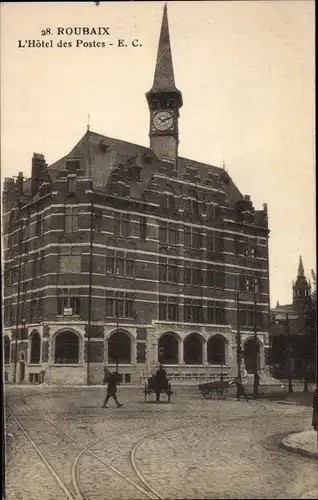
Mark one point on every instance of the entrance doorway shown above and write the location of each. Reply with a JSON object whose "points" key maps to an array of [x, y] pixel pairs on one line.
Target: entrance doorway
{"points": [[22, 371], [251, 354]]}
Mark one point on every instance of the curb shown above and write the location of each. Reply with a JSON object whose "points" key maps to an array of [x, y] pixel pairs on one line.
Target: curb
{"points": [[298, 451]]}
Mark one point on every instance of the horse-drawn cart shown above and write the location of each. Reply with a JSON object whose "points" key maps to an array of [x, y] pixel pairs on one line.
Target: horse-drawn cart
{"points": [[220, 387], [153, 386]]}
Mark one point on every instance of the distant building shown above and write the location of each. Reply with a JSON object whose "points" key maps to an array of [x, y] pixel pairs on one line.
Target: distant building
{"points": [[119, 253], [289, 332]]}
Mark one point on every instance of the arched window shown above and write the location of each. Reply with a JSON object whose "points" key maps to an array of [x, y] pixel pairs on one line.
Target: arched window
{"points": [[35, 348], [6, 347], [192, 350], [66, 348], [168, 349], [251, 354], [216, 350], [119, 348]]}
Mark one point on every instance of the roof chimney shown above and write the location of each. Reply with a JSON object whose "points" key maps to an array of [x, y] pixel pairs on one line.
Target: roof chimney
{"points": [[38, 165]]}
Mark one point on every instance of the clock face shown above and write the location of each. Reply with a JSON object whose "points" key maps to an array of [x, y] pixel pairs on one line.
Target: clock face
{"points": [[163, 120]]}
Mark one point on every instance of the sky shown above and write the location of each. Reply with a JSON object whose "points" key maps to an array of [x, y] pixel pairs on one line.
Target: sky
{"points": [[246, 72]]}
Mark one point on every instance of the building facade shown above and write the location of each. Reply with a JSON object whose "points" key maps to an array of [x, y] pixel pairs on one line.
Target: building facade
{"points": [[119, 253]]}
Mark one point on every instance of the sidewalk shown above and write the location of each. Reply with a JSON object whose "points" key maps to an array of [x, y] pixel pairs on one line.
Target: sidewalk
{"points": [[304, 443]]}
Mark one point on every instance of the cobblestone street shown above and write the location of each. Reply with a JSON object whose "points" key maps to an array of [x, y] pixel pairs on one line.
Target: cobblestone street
{"points": [[61, 444]]}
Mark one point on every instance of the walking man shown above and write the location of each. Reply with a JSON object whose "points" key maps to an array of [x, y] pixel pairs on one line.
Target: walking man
{"points": [[240, 390], [112, 390]]}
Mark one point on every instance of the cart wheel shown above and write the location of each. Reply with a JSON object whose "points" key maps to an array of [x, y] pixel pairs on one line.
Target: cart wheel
{"points": [[207, 394], [221, 393]]}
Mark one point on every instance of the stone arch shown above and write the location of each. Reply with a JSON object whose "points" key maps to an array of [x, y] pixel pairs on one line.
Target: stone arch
{"points": [[193, 349], [216, 350], [66, 347], [6, 349], [119, 347], [35, 347], [249, 354], [168, 348]]}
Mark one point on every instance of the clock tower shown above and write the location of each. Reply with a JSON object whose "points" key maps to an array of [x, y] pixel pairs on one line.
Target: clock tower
{"points": [[164, 101]]}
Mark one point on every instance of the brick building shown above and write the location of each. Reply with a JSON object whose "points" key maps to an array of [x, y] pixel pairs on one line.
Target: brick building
{"points": [[122, 253]]}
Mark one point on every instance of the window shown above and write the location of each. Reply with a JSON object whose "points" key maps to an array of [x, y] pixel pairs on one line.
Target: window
{"points": [[168, 271], [120, 265], [6, 346], [215, 276], [192, 273], [121, 306], [216, 313], [66, 348], [68, 306], [168, 308], [33, 310], [169, 198], [35, 355], [215, 242], [252, 284], [192, 311], [168, 233], [70, 260], [141, 352], [71, 220], [143, 228], [121, 224], [216, 350], [248, 315], [39, 225], [193, 202], [192, 238], [97, 220]]}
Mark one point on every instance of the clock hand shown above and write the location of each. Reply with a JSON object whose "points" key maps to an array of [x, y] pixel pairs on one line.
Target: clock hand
{"points": [[166, 119]]}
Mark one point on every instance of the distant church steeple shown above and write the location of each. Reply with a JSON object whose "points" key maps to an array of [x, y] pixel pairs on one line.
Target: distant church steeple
{"points": [[301, 289], [164, 101]]}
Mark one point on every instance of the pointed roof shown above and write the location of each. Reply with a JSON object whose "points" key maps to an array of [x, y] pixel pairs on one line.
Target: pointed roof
{"points": [[301, 267], [164, 77]]}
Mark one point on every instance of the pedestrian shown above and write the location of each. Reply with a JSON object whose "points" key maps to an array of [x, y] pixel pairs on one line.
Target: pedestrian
{"points": [[160, 381], [112, 382], [240, 390], [315, 411]]}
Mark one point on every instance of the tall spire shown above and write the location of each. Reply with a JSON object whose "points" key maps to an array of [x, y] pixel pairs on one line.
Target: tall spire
{"points": [[164, 77], [301, 267]]}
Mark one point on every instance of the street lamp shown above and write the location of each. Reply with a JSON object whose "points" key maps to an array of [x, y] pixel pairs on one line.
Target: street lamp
{"points": [[256, 379], [20, 238], [117, 331], [90, 285], [305, 358], [290, 384], [238, 339]]}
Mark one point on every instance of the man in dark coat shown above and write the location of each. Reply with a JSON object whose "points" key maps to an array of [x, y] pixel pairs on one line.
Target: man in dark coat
{"points": [[160, 381], [113, 381], [240, 389]]}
